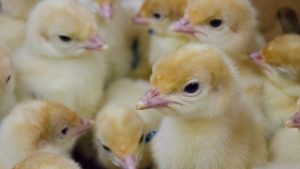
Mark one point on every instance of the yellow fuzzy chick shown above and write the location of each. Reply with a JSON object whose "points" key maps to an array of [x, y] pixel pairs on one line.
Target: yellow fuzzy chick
{"points": [[61, 58], [13, 16], [39, 126], [157, 16], [7, 82], [123, 134], [18, 9], [279, 62], [47, 161], [203, 128], [231, 25]]}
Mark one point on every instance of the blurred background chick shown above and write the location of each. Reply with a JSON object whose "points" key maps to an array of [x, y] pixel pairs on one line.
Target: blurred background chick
{"points": [[7, 83], [47, 161], [122, 133], [157, 16], [39, 126]]}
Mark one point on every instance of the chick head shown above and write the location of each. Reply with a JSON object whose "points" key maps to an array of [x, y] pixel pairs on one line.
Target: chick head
{"points": [[228, 24], [61, 29], [120, 136], [158, 15], [280, 59], [50, 124], [196, 78], [46, 161], [6, 72]]}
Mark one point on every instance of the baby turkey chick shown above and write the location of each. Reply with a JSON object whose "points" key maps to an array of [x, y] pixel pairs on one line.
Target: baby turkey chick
{"points": [[279, 61], [38, 126], [7, 80], [123, 133], [60, 58], [18, 9], [202, 128], [231, 25], [14, 14], [157, 16], [46, 161]]}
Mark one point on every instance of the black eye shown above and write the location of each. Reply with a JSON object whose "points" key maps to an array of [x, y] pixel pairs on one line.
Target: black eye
{"points": [[8, 78], [65, 38], [150, 136], [141, 139], [215, 23], [191, 88], [106, 148], [156, 15], [151, 31], [65, 130]]}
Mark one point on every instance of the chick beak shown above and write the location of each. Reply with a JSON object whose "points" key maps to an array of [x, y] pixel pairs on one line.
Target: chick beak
{"points": [[129, 162], [106, 11], [258, 59], [152, 99], [96, 43], [294, 122], [183, 25], [137, 19], [85, 125]]}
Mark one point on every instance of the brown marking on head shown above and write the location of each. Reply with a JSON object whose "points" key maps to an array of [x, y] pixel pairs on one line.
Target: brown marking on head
{"points": [[46, 161], [201, 12], [192, 61], [283, 51], [70, 19], [43, 121], [172, 9], [120, 132]]}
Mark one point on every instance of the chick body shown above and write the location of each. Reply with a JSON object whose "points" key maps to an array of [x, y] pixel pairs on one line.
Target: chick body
{"points": [[202, 128], [120, 125], [38, 126], [58, 60]]}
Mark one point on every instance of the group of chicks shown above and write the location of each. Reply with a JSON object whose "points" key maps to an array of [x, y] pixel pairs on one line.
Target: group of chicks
{"points": [[72, 79]]}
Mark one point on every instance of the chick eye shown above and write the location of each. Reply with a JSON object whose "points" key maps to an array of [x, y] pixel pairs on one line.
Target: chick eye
{"points": [[157, 15], [65, 38], [64, 131], [215, 23], [141, 139], [8, 78], [150, 136], [106, 148], [191, 88], [151, 31]]}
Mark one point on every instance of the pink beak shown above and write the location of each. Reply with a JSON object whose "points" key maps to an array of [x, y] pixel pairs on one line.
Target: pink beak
{"points": [[129, 162], [106, 11], [294, 122], [183, 25], [137, 19], [85, 125], [258, 59], [152, 99], [96, 43]]}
